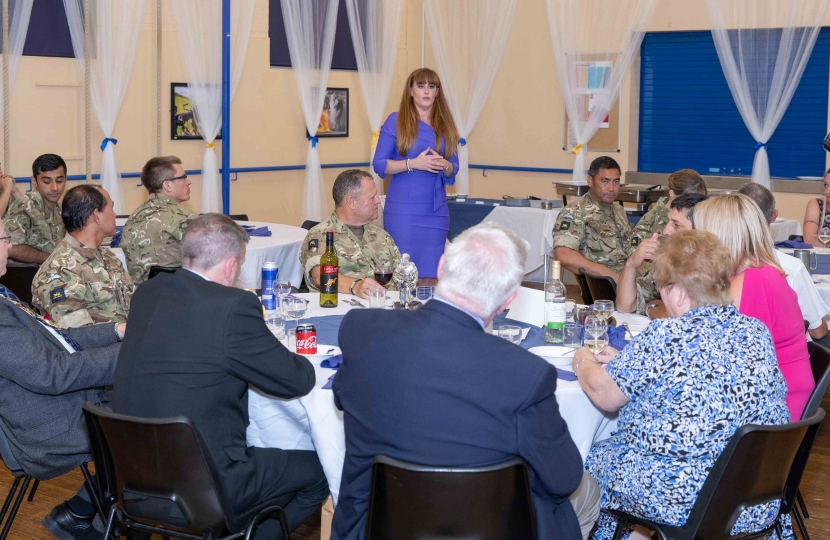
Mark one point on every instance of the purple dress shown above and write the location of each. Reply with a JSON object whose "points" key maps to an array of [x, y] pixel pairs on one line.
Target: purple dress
{"points": [[416, 213]]}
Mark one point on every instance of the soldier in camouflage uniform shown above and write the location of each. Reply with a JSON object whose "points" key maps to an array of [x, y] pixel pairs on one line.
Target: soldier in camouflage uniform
{"points": [[82, 283], [680, 182], [593, 232], [34, 221], [360, 245], [153, 234]]}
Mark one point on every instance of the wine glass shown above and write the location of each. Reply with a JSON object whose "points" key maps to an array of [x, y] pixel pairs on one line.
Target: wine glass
{"points": [[596, 334], [824, 237], [603, 308], [295, 308], [282, 288], [383, 272]]}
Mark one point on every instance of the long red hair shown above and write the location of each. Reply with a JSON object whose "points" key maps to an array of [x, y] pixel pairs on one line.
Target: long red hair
{"points": [[439, 118]]}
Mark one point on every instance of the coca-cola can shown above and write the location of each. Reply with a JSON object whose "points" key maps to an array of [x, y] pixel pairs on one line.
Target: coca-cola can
{"points": [[306, 339]]}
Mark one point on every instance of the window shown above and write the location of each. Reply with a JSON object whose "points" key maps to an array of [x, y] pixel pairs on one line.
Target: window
{"points": [[48, 33], [343, 56], [688, 118]]}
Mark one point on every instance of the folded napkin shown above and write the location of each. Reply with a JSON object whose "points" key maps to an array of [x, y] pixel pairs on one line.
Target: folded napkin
{"points": [[327, 386], [793, 244], [565, 375], [332, 362], [116, 239], [616, 337], [257, 231]]}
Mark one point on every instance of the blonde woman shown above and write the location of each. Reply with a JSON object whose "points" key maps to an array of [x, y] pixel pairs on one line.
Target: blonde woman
{"points": [[817, 217], [417, 146], [759, 287]]}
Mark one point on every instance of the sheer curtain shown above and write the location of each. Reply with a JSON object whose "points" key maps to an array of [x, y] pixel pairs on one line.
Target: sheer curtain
{"points": [[21, 11], [468, 37], [115, 28], [374, 25], [594, 44], [763, 47], [309, 27], [200, 42]]}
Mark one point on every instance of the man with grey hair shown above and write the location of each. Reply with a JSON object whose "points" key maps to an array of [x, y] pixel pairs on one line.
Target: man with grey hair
{"points": [[431, 386], [813, 308], [196, 344], [360, 246]]}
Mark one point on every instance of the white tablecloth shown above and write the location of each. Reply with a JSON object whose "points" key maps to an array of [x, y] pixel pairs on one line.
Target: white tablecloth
{"points": [[282, 247], [782, 228], [532, 224], [314, 423]]}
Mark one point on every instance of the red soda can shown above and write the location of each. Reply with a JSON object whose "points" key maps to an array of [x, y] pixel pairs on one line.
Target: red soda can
{"points": [[306, 339]]}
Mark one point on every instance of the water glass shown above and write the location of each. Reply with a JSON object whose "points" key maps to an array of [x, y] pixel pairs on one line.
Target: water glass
{"points": [[377, 298], [291, 340], [425, 293], [511, 333], [570, 308], [583, 313], [573, 335], [282, 288], [295, 308], [275, 321]]}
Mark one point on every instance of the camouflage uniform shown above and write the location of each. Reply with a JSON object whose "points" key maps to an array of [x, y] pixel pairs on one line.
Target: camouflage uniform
{"points": [[654, 221], [646, 289], [599, 232], [153, 234], [357, 256], [78, 286], [29, 221]]}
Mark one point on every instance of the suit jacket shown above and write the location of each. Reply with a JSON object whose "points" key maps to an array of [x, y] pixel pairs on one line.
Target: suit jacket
{"points": [[431, 387], [192, 347], [42, 389]]}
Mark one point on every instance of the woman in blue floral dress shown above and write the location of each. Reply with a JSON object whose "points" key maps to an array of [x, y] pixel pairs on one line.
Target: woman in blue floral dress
{"points": [[682, 388]]}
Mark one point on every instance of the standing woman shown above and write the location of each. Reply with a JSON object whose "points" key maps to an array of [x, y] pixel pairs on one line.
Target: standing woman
{"points": [[417, 146]]}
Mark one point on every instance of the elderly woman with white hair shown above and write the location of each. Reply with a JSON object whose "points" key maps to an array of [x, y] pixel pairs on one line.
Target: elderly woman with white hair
{"points": [[682, 388]]}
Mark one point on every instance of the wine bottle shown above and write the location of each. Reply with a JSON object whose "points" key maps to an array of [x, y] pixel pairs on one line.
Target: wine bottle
{"points": [[329, 267]]}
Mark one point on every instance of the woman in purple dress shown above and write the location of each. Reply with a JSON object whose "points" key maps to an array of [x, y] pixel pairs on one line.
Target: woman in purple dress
{"points": [[417, 146]]}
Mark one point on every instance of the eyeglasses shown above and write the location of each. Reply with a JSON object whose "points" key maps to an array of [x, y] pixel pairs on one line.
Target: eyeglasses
{"points": [[6, 239], [182, 177]]}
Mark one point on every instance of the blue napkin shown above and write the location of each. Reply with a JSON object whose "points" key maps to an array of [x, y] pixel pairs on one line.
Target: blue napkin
{"points": [[565, 375], [616, 337], [794, 244], [327, 386], [332, 362], [116, 239], [257, 231]]}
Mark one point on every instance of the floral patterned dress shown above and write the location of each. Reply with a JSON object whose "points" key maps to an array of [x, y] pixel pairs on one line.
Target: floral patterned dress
{"points": [[693, 381]]}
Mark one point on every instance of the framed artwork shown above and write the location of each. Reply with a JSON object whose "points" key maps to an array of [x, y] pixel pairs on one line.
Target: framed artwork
{"points": [[182, 122], [334, 121]]}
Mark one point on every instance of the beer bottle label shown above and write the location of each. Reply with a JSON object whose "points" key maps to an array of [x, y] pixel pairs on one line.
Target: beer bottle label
{"points": [[328, 280]]}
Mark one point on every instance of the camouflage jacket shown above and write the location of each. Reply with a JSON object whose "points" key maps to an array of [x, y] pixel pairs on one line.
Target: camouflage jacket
{"points": [[78, 286], [357, 256], [599, 232], [654, 221], [29, 221], [646, 289], [153, 235]]}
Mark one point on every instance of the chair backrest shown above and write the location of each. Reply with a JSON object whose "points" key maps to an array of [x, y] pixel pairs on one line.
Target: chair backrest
{"points": [[8, 457], [157, 471], [239, 217], [798, 466], [308, 224], [601, 287], [19, 280], [820, 364], [753, 469], [156, 270], [407, 500], [587, 299]]}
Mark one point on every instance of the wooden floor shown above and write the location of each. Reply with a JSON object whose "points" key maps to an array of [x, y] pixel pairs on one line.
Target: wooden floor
{"points": [[815, 487]]}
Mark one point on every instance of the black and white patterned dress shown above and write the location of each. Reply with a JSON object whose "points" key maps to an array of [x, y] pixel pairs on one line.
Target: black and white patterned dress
{"points": [[692, 381]]}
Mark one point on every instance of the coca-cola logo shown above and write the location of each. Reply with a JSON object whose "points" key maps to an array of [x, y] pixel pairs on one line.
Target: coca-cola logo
{"points": [[307, 344]]}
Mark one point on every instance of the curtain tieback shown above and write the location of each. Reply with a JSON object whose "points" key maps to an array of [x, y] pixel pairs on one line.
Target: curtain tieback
{"points": [[575, 150], [107, 141], [462, 141], [210, 145], [761, 145], [375, 135], [313, 141]]}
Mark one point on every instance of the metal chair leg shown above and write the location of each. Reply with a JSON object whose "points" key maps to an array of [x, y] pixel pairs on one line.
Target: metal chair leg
{"points": [[802, 504], [9, 497], [31, 496], [17, 501], [800, 522]]}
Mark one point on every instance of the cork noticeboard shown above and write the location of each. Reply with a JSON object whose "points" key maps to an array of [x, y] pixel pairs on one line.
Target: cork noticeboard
{"points": [[606, 139]]}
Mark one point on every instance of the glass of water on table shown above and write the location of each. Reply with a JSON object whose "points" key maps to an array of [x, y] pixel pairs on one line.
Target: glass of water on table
{"points": [[295, 308]]}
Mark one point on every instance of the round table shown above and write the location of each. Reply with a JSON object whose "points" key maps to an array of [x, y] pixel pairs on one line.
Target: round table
{"points": [[313, 422], [282, 247]]}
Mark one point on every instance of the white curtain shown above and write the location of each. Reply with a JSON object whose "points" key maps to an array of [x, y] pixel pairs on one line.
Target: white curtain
{"points": [[310, 27], [374, 25], [115, 28], [764, 46], [594, 44], [199, 24], [21, 11], [468, 37]]}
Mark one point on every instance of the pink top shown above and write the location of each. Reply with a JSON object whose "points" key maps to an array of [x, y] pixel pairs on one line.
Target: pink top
{"points": [[767, 296]]}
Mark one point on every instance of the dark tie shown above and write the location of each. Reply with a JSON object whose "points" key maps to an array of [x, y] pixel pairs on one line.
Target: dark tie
{"points": [[11, 297]]}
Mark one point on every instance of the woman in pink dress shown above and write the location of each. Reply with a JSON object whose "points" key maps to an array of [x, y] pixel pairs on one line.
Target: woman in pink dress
{"points": [[760, 289]]}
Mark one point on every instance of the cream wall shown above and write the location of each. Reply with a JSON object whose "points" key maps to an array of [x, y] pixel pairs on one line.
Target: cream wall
{"points": [[521, 125]]}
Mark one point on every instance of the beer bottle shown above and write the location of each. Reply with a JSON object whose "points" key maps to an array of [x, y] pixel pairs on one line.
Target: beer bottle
{"points": [[328, 273]]}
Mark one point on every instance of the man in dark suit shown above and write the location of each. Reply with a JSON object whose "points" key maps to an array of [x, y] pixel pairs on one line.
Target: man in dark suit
{"points": [[194, 345], [46, 374], [431, 387]]}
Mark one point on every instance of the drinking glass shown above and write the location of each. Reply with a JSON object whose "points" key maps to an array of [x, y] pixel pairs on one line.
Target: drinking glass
{"points": [[275, 320], [295, 308], [582, 313], [596, 337], [570, 308], [511, 333], [604, 308], [573, 335], [291, 340], [425, 293], [377, 298], [383, 272], [282, 288], [824, 237]]}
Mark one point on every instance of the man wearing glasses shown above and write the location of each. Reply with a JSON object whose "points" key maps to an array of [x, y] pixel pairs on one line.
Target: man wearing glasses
{"points": [[593, 232], [153, 234]]}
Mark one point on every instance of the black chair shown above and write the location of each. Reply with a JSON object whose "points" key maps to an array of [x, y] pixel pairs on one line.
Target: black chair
{"points": [[753, 469], [601, 287], [587, 299], [18, 279], [407, 500], [19, 474], [157, 476], [156, 270], [308, 224], [239, 217]]}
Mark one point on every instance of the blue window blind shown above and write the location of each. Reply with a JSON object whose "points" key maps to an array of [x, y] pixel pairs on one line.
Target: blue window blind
{"points": [[688, 118], [48, 33], [343, 55]]}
